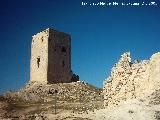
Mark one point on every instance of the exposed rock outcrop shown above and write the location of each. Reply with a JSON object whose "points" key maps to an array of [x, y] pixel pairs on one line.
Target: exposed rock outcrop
{"points": [[132, 80]]}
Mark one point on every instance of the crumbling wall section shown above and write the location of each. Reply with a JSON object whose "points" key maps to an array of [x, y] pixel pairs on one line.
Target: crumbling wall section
{"points": [[131, 80]]}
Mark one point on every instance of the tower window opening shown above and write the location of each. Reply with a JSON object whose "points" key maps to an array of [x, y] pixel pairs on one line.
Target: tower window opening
{"points": [[63, 63], [42, 38], [63, 49], [38, 61]]}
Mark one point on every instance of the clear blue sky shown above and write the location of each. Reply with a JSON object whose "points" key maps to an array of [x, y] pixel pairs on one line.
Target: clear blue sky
{"points": [[99, 36]]}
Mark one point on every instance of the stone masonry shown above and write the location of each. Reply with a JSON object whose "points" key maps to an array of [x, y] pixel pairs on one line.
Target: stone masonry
{"points": [[131, 80], [51, 57]]}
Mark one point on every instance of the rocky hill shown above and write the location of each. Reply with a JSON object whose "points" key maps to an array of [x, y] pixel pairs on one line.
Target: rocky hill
{"points": [[36, 100]]}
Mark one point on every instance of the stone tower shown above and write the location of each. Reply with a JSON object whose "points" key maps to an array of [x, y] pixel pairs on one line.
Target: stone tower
{"points": [[51, 57]]}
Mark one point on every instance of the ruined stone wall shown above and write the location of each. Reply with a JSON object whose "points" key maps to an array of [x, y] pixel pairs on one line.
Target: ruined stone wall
{"points": [[131, 80], [51, 57]]}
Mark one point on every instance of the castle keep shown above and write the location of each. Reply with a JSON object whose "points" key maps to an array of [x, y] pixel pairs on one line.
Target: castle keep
{"points": [[51, 57]]}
